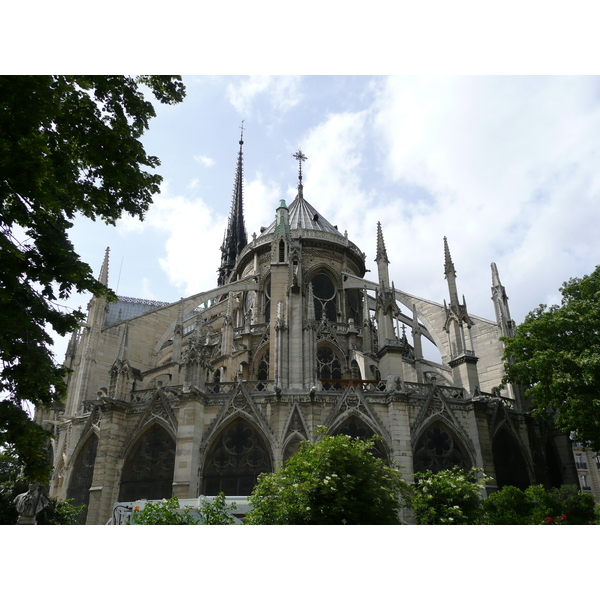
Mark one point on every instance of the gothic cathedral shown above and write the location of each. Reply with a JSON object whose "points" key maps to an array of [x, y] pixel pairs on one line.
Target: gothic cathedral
{"points": [[202, 395]]}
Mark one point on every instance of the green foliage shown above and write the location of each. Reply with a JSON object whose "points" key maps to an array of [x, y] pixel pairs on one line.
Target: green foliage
{"points": [[566, 504], [217, 512], [60, 512], [167, 512], [556, 354], [68, 146], [536, 505], [508, 506], [448, 497], [332, 482]]}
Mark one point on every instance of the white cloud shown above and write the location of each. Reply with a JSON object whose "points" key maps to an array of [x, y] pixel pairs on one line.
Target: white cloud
{"points": [[511, 164], [260, 203], [282, 92], [205, 161]]}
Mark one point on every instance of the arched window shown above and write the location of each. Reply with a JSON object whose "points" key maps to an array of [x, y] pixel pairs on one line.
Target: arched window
{"points": [[148, 472], [356, 428], [355, 370], [82, 475], [292, 447], [281, 251], [235, 460], [508, 461], [324, 297], [353, 310], [263, 367], [439, 450], [329, 367]]}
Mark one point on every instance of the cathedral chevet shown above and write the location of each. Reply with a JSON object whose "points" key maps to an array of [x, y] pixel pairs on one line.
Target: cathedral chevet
{"points": [[201, 395]]}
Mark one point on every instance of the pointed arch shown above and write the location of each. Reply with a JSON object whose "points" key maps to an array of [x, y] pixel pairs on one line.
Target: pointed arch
{"points": [[355, 426], [149, 465], [237, 455], [330, 365], [509, 462], [439, 447], [292, 445], [82, 473], [325, 286]]}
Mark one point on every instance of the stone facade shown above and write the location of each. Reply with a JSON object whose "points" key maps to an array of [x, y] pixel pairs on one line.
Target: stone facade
{"points": [[202, 395]]}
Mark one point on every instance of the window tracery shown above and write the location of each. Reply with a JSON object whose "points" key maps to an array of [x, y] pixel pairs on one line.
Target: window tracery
{"points": [[438, 450], [356, 428], [329, 367], [236, 459], [324, 297], [148, 472]]}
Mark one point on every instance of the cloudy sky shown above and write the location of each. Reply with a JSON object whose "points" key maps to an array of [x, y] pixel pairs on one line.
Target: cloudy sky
{"points": [[505, 167]]}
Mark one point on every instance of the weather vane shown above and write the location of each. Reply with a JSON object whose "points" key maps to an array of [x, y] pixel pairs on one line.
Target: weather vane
{"points": [[300, 158]]}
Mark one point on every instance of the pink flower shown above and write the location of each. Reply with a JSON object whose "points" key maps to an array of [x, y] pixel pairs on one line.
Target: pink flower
{"points": [[564, 517], [549, 520]]}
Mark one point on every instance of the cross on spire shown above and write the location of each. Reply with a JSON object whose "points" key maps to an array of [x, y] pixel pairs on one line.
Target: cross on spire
{"points": [[242, 134], [300, 158]]}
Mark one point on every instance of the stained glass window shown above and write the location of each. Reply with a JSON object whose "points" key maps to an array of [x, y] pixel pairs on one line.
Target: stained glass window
{"points": [[148, 472], [438, 450], [329, 367], [324, 295], [235, 460], [82, 475]]}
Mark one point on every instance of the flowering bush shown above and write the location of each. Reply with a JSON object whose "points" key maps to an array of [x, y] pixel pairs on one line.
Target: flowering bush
{"points": [[538, 506], [448, 497], [332, 482], [167, 512]]}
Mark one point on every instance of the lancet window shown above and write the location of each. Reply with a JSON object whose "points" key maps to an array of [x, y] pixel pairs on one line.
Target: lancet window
{"points": [[235, 460], [329, 367], [509, 463], [324, 297], [148, 472], [356, 428], [438, 450], [83, 473]]}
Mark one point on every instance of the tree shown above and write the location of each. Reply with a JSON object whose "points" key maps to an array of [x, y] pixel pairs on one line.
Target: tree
{"points": [[538, 506], [334, 481], [556, 354], [167, 512], [448, 497], [68, 146]]}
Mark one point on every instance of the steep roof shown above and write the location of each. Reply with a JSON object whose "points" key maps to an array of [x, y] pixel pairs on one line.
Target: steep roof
{"points": [[304, 216]]}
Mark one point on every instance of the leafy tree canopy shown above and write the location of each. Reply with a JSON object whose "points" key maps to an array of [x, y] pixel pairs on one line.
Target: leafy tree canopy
{"points": [[68, 146], [331, 482], [556, 354]]}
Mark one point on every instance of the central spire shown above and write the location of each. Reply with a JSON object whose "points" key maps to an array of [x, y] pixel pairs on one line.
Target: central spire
{"points": [[235, 239]]}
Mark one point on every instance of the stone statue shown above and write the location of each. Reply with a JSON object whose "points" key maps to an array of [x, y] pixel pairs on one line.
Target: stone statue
{"points": [[30, 503]]}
